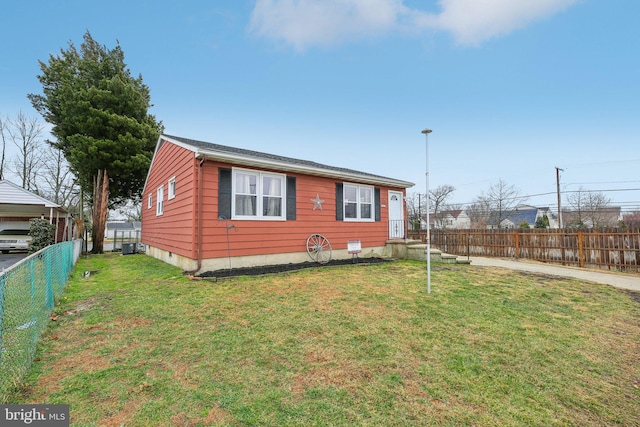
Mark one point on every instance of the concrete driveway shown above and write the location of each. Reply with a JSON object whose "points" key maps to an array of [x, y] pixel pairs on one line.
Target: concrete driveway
{"points": [[619, 280], [7, 260]]}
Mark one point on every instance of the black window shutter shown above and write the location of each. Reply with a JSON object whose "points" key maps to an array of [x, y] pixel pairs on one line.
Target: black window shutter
{"points": [[224, 193], [339, 202], [291, 198], [376, 196]]}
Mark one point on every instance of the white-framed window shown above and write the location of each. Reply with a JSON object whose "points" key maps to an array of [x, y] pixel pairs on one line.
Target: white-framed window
{"points": [[171, 188], [358, 202], [258, 195], [160, 200], [150, 201]]}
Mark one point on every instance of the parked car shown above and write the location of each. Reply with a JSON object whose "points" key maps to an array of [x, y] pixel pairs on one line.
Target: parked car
{"points": [[14, 240]]}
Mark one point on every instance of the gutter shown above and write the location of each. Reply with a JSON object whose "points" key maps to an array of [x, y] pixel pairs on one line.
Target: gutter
{"points": [[198, 232], [199, 225]]}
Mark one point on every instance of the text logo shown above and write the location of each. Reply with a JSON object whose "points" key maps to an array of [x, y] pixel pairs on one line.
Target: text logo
{"points": [[34, 415]]}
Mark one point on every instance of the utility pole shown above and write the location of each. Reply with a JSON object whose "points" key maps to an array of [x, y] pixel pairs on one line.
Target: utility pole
{"points": [[558, 189]]}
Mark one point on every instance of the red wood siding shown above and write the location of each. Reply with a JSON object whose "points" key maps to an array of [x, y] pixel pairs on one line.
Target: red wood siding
{"points": [[257, 237], [174, 230]]}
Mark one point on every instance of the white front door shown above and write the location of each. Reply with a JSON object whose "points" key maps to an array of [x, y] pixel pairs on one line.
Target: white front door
{"points": [[396, 215]]}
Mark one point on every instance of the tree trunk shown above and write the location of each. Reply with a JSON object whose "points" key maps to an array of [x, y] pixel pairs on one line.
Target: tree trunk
{"points": [[100, 201]]}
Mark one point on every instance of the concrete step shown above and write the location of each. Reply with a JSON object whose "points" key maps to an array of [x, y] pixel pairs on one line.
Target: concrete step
{"points": [[448, 259], [413, 249]]}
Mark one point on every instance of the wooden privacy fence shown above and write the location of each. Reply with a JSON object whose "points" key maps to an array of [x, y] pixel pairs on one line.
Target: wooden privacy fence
{"points": [[611, 249]]}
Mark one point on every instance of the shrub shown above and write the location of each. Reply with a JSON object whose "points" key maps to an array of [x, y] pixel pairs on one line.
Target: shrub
{"points": [[42, 233], [542, 222]]}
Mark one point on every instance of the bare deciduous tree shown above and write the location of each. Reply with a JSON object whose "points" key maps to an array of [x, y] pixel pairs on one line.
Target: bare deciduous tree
{"points": [[132, 211], [590, 209], [438, 198], [57, 180], [632, 219], [3, 141], [25, 132], [492, 208], [415, 208], [478, 212]]}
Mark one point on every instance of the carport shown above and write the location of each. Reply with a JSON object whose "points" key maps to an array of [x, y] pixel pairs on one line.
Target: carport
{"points": [[18, 206]]}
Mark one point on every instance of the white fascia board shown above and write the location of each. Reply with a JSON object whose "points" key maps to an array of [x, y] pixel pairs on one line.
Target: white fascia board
{"points": [[19, 195], [303, 169]]}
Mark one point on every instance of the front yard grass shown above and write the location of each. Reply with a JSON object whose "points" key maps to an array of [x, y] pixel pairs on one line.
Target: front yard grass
{"points": [[139, 344]]}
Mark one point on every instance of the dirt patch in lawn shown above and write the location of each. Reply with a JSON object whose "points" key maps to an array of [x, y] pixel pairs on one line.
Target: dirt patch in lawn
{"points": [[635, 295]]}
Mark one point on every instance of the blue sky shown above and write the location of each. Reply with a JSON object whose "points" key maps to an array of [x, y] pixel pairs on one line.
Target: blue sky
{"points": [[511, 88]]}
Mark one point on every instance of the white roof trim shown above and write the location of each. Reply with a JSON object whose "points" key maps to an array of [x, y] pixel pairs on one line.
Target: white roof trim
{"points": [[19, 196], [247, 160]]}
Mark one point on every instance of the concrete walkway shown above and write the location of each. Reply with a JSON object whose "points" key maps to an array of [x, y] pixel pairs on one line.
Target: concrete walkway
{"points": [[618, 280]]}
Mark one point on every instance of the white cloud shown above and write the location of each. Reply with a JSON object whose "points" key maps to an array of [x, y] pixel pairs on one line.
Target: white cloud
{"points": [[474, 21], [304, 23]]}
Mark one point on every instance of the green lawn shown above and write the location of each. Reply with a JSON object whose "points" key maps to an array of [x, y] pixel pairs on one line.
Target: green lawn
{"points": [[139, 344]]}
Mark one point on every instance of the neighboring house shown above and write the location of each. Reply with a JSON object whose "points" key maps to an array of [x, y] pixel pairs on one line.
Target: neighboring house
{"points": [[122, 229], [453, 219], [524, 214], [207, 207], [18, 206], [609, 216]]}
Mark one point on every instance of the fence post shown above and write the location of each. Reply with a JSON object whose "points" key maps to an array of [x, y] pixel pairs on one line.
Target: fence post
{"points": [[563, 252], [580, 249], [466, 235], [49, 280], [517, 239], [34, 303]]}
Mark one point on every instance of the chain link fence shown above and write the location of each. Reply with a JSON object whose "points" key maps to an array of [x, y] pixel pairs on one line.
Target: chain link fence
{"points": [[28, 292]]}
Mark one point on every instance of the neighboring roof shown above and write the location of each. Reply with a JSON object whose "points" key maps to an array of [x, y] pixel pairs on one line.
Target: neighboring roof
{"points": [[12, 193], [517, 216], [123, 225], [120, 226], [258, 159], [16, 200], [454, 213]]}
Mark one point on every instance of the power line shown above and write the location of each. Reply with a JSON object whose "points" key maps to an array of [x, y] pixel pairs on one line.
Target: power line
{"points": [[602, 182], [527, 196]]}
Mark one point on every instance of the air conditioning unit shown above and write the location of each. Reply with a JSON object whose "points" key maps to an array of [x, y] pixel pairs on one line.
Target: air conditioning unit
{"points": [[128, 248]]}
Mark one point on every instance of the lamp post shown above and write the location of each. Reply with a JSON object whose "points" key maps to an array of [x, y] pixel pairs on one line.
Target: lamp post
{"points": [[426, 133]]}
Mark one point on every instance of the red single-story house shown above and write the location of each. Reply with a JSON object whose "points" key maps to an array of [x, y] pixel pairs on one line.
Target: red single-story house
{"points": [[208, 207]]}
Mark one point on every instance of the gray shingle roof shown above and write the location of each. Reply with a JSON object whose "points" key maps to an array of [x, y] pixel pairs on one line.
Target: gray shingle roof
{"points": [[517, 216], [257, 155]]}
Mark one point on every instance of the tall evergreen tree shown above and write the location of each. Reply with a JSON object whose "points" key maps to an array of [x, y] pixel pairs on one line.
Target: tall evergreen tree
{"points": [[99, 117]]}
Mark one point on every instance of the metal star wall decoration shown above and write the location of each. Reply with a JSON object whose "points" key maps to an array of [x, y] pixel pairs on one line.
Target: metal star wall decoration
{"points": [[317, 202]]}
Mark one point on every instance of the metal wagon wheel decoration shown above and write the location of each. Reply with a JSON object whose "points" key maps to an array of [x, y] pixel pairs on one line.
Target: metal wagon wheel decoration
{"points": [[319, 248]]}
